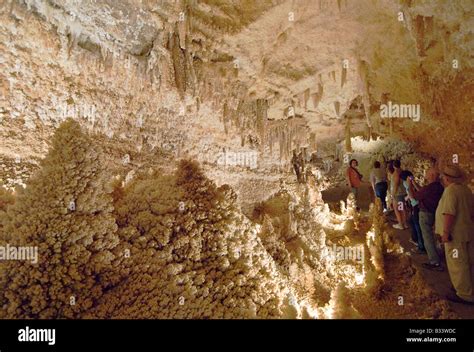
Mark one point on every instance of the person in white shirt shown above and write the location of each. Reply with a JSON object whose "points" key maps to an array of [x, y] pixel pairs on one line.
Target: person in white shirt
{"points": [[378, 180]]}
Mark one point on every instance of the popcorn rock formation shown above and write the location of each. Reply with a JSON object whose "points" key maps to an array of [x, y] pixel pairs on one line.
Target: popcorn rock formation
{"points": [[181, 244], [67, 214], [192, 254]]}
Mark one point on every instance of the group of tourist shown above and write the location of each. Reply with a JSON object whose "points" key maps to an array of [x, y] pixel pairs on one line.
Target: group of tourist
{"points": [[443, 206]]}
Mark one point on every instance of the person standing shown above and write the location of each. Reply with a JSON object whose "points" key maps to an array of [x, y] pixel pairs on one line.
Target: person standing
{"points": [[454, 223], [416, 234], [302, 165], [428, 198], [378, 180], [399, 193], [296, 166], [354, 180]]}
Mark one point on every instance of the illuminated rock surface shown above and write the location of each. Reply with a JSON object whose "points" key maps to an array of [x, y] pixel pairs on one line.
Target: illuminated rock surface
{"points": [[235, 86]]}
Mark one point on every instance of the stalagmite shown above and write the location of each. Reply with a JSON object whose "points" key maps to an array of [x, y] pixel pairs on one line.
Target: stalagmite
{"points": [[342, 307]]}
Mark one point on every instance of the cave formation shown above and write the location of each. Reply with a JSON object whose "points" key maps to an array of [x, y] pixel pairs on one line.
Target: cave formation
{"points": [[146, 155]]}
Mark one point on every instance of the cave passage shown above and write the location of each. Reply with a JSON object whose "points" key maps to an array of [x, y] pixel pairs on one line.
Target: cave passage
{"points": [[306, 159]]}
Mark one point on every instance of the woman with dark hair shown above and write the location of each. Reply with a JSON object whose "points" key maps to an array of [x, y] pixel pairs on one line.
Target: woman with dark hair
{"points": [[390, 167], [398, 193], [414, 220], [378, 180], [354, 179]]}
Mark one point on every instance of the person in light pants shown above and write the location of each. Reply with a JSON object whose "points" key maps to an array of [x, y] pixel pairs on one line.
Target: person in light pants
{"points": [[454, 223]]}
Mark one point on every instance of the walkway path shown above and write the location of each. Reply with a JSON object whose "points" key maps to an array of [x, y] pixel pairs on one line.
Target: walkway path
{"points": [[438, 281]]}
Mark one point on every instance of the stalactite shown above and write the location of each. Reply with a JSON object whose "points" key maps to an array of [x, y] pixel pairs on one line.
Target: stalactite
{"points": [[368, 132], [306, 98], [182, 29], [235, 118], [225, 116], [261, 117], [347, 139], [179, 63], [343, 76], [429, 26], [337, 106], [312, 141], [366, 102], [289, 144], [320, 90], [363, 75], [282, 139], [226, 129], [419, 28], [315, 99], [301, 100]]}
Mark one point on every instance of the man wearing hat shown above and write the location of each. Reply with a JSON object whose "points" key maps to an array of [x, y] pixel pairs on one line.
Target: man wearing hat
{"points": [[454, 223]]}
